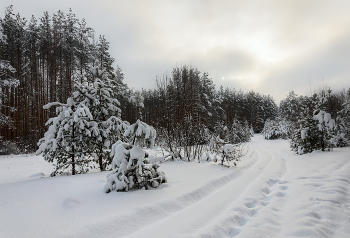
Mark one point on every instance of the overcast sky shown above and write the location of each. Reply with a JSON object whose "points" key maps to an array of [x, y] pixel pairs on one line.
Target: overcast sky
{"points": [[271, 47]]}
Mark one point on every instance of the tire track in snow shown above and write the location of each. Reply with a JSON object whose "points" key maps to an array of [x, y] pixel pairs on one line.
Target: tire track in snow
{"points": [[325, 211], [123, 225], [268, 222], [231, 205], [257, 208], [324, 208]]}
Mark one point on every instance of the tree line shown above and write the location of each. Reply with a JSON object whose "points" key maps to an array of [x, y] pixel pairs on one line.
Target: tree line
{"points": [[47, 57], [50, 55], [320, 121]]}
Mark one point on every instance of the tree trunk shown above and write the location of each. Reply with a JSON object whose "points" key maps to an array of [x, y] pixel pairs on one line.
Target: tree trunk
{"points": [[100, 163], [73, 159]]}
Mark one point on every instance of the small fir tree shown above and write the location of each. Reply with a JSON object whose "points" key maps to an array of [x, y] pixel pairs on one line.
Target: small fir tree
{"points": [[66, 141], [314, 133]]}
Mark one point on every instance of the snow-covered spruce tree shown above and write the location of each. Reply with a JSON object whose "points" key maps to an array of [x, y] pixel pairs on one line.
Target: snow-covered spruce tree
{"points": [[342, 137], [305, 138], [104, 107], [314, 133], [239, 132], [132, 169], [66, 142], [136, 99], [220, 130], [280, 128], [251, 131], [339, 136], [270, 130]]}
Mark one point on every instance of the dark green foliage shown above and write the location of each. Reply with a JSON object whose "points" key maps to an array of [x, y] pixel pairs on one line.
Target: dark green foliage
{"points": [[307, 137], [314, 133]]}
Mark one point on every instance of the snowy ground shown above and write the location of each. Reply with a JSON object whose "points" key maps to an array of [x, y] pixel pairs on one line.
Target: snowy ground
{"points": [[272, 193]]}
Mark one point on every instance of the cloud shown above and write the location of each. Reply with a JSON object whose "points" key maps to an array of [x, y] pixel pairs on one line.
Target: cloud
{"points": [[328, 64], [268, 46]]}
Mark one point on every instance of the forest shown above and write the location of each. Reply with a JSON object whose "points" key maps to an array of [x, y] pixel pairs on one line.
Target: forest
{"points": [[56, 57]]}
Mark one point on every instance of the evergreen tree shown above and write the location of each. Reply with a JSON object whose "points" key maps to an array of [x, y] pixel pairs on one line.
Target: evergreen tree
{"points": [[104, 107], [66, 141], [280, 128], [315, 133], [306, 138], [7, 84]]}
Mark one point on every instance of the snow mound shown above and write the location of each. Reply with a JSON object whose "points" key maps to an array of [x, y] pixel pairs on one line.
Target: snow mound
{"points": [[71, 203], [38, 175], [156, 159]]}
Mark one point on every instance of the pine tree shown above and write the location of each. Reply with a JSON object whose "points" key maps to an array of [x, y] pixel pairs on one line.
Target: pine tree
{"points": [[7, 84], [66, 141], [104, 107]]}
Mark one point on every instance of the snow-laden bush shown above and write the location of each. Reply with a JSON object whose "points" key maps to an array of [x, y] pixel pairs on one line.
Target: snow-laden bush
{"points": [[279, 128], [237, 132], [339, 140], [229, 153], [132, 169], [9, 147]]}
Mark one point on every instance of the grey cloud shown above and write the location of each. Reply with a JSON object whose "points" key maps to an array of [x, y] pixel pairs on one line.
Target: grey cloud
{"points": [[329, 64], [282, 44]]}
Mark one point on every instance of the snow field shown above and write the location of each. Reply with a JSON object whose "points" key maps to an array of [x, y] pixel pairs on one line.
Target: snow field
{"points": [[272, 193], [43, 207]]}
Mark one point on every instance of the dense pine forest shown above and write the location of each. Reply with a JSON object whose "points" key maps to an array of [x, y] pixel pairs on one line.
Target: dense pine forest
{"points": [[50, 59]]}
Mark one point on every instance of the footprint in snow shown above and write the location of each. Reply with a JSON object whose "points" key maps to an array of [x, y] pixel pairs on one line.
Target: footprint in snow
{"points": [[233, 231], [283, 182], [280, 194], [71, 203], [316, 185], [272, 182], [284, 187], [250, 202], [38, 175]]}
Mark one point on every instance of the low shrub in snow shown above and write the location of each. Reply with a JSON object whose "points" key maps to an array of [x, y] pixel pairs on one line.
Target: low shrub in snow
{"points": [[229, 153], [8, 147], [132, 169]]}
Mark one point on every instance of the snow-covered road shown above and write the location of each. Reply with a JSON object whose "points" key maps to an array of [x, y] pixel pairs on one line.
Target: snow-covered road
{"points": [[272, 193]]}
